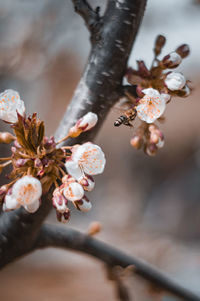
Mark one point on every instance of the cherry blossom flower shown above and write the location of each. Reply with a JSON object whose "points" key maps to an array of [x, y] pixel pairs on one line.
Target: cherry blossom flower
{"points": [[175, 81], [26, 192], [73, 191], [86, 158], [151, 106], [10, 104]]}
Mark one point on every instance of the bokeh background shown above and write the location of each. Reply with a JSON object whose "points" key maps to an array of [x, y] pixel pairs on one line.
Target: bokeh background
{"points": [[148, 207]]}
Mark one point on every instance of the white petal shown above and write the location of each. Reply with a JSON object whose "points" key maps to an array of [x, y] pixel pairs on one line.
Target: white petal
{"points": [[166, 97], [73, 192], [27, 190], [73, 169], [151, 92], [33, 207], [90, 157], [89, 120], [84, 205], [10, 203], [151, 106], [175, 81], [10, 103]]}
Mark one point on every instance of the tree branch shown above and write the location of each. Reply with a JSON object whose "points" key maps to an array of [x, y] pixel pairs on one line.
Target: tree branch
{"points": [[91, 17], [101, 83], [57, 236]]}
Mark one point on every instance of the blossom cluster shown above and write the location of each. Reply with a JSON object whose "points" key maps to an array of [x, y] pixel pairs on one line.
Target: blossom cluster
{"points": [[149, 92], [40, 163]]}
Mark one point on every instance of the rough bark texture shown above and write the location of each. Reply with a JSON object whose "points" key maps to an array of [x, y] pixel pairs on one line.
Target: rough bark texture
{"points": [[100, 84], [97, 92]]}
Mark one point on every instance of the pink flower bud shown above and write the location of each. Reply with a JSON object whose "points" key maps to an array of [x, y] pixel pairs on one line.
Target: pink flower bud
{"points": [[136, 142], [183, 50], [87, 122], [87, 182], [159, 44], [84, 204], [171, 60]]}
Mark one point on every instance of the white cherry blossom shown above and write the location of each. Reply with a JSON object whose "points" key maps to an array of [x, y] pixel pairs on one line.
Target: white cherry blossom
{"points": [[151, 106], [10, 104], [86, 158]]}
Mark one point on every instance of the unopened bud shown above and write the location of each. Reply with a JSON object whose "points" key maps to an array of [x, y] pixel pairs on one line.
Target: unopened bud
{"points": [[159, 44], [94, 228], [6, 137], [83, 205], [38, 163], [142, 69], [183, 50], [84, 124], [185, 92], [87, 182], [171, 60], [139, 91], [136, 142], [151, 149], [20, 162]]}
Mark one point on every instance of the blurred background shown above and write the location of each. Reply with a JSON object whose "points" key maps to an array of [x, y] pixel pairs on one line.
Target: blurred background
{"points": [[148, 207]]}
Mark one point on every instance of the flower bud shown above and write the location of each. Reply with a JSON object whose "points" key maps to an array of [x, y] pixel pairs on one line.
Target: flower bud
{"points": [[73, 191], [83, 205], [142, 69], [87, 182], [20, 162], [185, 92], [136, 142], [84, 124], [175, 81], [171, 60], [159, 44], [58, 201], [151, 149], [6, 137], [94, 228], [183, 50]]}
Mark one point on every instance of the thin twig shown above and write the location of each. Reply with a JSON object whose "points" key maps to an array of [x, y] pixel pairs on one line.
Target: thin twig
{"points": [[57, 236], [91, 17]]}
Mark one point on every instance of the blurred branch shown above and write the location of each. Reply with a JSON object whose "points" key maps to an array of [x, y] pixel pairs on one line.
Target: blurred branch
{"points": [[55, 236], [91, 17], [97, 91]]}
